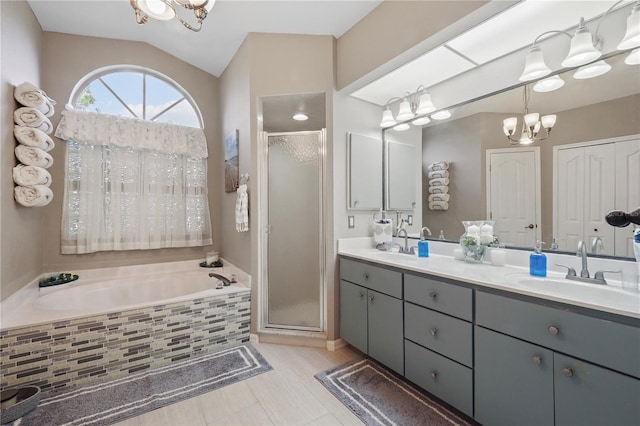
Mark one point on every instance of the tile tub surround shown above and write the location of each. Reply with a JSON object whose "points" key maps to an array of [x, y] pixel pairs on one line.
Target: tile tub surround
{"points": [[73, 348]]}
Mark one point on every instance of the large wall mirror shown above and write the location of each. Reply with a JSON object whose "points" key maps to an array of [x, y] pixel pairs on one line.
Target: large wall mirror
{"points": [[400, 176], [364, 172], [588, 165]]}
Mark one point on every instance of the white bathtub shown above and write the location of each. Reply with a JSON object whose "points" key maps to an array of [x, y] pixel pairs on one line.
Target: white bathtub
{"points": [[100, 291]]}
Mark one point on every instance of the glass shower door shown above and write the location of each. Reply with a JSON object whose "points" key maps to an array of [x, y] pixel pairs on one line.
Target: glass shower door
{"points": [[294, 250]]}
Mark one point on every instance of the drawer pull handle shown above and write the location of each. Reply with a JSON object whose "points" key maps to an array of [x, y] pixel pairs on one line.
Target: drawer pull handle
{"points": [[365, 276], [567, 372], [433, 331], [371, 298], [537, 360], [434, 374], [553, 330], [433, 295], [361, 294]]}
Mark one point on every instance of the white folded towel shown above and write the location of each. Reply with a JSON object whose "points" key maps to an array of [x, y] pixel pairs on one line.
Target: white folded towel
{"points": [[438, 174], [242, 209], [31, 175], [33, 137], [443, 189], [33, 156], [47, 109], [33, 196], [439, 165], [31, 117], [438, 197], [438, 205], [439, 181], [29, 95]]}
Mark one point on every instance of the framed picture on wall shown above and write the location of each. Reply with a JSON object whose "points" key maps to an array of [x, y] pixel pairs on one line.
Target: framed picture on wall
{"points": [[231, 163]]}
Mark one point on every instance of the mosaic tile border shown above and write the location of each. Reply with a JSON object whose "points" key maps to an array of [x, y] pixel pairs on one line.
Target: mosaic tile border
{"points": [[84, 351]]}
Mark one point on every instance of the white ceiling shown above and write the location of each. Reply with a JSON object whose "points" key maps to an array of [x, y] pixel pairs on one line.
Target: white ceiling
{"points": [[223, 30]]}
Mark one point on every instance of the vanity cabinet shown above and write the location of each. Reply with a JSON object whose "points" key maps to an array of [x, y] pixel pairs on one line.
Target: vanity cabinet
{"points": [[371, 313], [538, 364]]}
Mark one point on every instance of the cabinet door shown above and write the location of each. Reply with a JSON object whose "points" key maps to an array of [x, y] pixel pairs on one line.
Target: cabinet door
{"points": [[513, 381], [386, 342], [590, 395], [353, 315]]}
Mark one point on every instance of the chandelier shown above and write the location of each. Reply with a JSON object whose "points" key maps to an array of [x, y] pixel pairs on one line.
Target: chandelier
{"points": [[165, 10], [413, 106], [531, 126]]}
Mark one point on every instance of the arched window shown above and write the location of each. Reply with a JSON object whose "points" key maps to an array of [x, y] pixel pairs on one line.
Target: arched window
{"points": [[136, 92], [136, 164]]}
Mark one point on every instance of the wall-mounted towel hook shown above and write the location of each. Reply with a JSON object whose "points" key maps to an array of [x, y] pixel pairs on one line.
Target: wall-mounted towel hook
{"points": [[244, 178]]}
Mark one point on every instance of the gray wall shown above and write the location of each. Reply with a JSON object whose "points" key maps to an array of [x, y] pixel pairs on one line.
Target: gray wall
{"points": [[20, 227]]}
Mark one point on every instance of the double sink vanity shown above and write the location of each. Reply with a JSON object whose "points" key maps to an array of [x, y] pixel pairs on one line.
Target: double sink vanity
{"points": [[499, 345]]}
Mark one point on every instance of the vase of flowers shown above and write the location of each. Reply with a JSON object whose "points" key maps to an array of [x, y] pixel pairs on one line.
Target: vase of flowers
{"points": [[478, 235]]}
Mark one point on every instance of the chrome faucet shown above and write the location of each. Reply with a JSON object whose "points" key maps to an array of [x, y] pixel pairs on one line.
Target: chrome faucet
{"points": [[406, 248], [598, 278], [582, 252], [597, 245]]}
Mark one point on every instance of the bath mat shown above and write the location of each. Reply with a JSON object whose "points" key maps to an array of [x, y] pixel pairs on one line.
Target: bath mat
{"points": [[130, 396], [379, 396]]}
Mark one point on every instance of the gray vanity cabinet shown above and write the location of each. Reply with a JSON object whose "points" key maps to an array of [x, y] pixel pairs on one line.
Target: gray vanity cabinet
{"points": [[527, 368], [371, 314]]}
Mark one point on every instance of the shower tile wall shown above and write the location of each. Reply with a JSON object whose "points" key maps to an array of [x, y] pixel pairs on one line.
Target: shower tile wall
{"points": [[84, 351]]}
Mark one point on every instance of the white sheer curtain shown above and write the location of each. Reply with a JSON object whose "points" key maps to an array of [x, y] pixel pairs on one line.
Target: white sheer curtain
{"points": [[120, 197]]}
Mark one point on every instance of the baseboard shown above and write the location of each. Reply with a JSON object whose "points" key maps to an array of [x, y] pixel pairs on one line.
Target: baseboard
{"points": [[334, 345], [316, 341]]}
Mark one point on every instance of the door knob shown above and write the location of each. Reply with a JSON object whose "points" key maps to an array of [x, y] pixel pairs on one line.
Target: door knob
{"points": [[433, 331], [434, 374], [433, 295], [537, 360], [553, 330], [371, 298], [567, 372], [529, 226]]}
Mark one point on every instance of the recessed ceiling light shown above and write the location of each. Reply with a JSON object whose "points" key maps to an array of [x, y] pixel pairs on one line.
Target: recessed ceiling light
{"points": [[300, 116]]}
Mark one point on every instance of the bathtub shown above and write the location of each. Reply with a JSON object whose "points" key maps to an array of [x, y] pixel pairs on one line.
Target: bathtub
{"points": [[116, 321]]}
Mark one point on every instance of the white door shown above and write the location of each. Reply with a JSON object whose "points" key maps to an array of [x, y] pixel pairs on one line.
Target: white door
{"points": [[599, 177], [569, 199], [513, 191], [627, 191]]}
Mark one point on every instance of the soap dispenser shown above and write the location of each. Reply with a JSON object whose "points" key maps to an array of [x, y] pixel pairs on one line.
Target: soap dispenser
{"points": [[423, 244], [538, 261]]}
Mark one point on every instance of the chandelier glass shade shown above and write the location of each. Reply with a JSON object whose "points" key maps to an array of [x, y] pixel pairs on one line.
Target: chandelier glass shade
{"points": [[531, 126], [413, 107], [166, 10]]}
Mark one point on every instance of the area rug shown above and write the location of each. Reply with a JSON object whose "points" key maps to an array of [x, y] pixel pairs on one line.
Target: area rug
{"points": [[378, 396], [119, 399]]}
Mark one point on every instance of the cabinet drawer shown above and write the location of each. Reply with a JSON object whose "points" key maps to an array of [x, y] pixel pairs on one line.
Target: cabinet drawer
{"points": [[444, 378], [373, 277], [440, 296], [441, 333], [603, 342]]}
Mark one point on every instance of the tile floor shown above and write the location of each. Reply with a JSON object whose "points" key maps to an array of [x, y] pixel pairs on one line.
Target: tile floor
{"points": [[287, 395]]}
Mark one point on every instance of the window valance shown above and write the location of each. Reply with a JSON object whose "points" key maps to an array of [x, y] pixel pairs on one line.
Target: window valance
{"points": [[101, 129]]}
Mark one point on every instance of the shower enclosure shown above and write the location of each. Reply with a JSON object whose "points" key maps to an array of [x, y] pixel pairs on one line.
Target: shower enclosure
{"points": [[293, 240]]}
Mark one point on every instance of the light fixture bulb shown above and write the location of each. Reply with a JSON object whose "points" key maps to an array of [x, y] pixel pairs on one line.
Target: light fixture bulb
{"points": [[441, 115], [401, 127], [548, 121], [426, 105], [592, 70], [404, 113], [633, 58], [387, 118], [631, 37], [156, 9], [534, 66], [549, 84], [300, 116], [421, 121], [582, 50]]}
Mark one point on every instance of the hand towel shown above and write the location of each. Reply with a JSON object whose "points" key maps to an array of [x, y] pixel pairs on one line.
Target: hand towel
{"points": [[382, 231], [242, 209], [33, 196], [439, 165], [33, 156], [33, 137], [439, 181], [31, 175], [29, 95], [443, 189], [47, 109], [438, 205], [438, 197], [31, 117], [438, 174]]}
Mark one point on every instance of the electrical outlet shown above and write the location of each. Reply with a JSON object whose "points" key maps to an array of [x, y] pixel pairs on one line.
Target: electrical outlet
{"points": [[410, 219], [352, 221]]}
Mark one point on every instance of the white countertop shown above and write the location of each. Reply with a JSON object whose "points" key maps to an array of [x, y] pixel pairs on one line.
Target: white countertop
{"points": [[512, 278]]}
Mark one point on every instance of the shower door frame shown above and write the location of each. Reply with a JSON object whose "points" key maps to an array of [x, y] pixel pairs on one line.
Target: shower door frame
{"points": [[263, 293]]}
